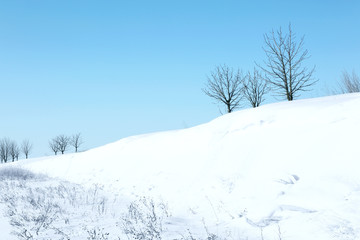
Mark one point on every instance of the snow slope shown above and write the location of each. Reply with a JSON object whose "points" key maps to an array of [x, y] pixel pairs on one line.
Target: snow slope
{"points": [[289, 169]]}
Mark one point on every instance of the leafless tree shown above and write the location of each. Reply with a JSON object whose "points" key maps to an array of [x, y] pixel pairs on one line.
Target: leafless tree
{"points": [[14, 150], [26, 148], [349, 83], [4, 149], [54, 146], [62, 143], [225, 86], [284, 68], [76, 141], [255, 87]]}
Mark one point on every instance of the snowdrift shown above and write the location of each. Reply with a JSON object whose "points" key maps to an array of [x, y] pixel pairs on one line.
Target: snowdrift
{"points": [[288, 169]]}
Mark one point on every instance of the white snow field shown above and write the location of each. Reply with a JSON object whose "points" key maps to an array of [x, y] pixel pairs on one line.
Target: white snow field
{"points": [[289, 170]]}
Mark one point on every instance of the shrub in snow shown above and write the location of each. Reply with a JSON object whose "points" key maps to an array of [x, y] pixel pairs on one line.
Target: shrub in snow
{"points": [[34, 212], [97, 234], [144, 219], [44, 208], [32, 223], [16, 173]]}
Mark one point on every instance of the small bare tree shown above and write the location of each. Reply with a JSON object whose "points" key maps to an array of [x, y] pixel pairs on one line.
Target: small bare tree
{"points": [[76, 141], [284, 68], [14, 150], [4, 149], [54, 146], [255, 87], [225, 86], [62, 142], [26, 148], [349, 83]]}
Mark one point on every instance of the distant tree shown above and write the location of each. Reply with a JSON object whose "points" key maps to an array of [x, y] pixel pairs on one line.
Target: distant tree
{"points": [[255, 87], [349, 83], [4, 149], [76, 141], [225, 86], [26, 148], [14, 150], [62, 143], [283, 67], [54, 146]]}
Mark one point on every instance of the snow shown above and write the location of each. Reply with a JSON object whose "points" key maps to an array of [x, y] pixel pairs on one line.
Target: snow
{"points": [[5, 227], [288, 169]]}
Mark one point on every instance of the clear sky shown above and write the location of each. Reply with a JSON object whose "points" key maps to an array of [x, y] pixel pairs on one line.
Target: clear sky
{"points": [[111, 69]]}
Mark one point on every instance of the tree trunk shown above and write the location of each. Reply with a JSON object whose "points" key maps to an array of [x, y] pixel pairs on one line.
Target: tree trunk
{"points": [[228, 107]]}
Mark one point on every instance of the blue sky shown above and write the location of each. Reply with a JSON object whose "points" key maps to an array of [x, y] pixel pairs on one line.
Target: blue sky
{"points": [[111, 69]]}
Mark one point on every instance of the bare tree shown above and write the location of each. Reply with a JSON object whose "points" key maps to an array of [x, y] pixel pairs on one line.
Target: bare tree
{"points": [[14, 150], [284, 68], [255, 87], [349, 83], [225, 86], [76, 141], [62, 143], [54, 146], [4, 149], [26, 148]]}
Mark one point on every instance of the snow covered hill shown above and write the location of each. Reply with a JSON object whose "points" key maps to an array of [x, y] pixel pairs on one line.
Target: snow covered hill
{"points": [[287, 170]]}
